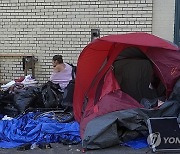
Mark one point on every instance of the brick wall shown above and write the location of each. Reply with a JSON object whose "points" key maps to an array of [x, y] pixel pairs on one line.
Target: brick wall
{"points": [[48, 27], [11, 68]]}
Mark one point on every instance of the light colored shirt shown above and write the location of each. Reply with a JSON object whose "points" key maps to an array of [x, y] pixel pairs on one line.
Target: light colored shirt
{"points": [[63, 77]]}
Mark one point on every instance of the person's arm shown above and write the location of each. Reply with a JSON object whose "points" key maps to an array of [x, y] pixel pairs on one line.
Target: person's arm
{"points": [[58, 68]]}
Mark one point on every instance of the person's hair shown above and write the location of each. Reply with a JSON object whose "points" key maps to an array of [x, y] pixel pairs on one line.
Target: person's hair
{"points": [[58, 58]]}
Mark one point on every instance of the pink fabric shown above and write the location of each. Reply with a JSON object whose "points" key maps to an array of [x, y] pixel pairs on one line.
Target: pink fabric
{"points": [[63, 77]]}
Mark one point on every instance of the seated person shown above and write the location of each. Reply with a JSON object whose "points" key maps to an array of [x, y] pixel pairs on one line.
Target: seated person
{"points": [[62, 72]]}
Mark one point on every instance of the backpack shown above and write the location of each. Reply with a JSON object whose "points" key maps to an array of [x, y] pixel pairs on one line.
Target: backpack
{"points": [[67, 100], [73, 73]]}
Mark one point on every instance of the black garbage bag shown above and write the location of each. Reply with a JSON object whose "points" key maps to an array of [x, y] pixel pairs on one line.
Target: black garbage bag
{"points": [[7, 106], [54, 99], [52, 95], [28, 97], [6, 97]]}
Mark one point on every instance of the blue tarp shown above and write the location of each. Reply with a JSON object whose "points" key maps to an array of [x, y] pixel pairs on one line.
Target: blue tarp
{"points": [[138, 143], [25, 129]]}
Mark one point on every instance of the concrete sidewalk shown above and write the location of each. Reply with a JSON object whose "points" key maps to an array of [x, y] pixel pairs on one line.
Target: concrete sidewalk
{"points": [[76, 149]]}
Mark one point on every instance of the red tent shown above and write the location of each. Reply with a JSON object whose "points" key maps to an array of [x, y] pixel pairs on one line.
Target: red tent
{"points": [[94, 73]]}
